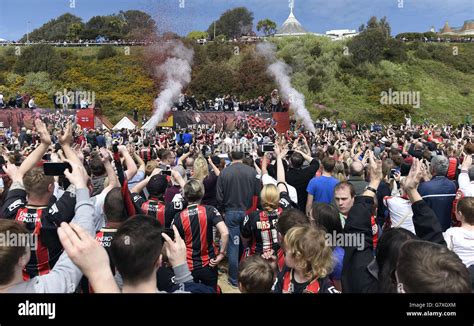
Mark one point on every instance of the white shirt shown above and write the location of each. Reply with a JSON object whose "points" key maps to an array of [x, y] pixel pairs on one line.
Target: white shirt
{"points": [[401, 213], [466, 185], [1, 98], [461, 242], [31, 103], [267, 179]]}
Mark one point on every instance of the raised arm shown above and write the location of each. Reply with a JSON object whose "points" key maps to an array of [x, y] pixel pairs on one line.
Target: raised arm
{"points": [[216, 170], [35, 156], [131, 166], [426, 224], [65, 140]]}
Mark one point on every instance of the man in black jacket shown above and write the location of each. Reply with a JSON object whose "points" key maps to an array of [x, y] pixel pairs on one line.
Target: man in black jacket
{"points": [[299, 177], [361, 271]]}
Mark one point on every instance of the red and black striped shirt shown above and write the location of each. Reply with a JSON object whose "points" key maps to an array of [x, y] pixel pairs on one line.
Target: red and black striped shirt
{"points": [[163, 212], [260, 227], [42, 221], [195, 226]]}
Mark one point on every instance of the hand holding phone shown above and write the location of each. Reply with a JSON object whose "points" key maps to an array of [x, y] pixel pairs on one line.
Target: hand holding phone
{"points": [[56, 169]]}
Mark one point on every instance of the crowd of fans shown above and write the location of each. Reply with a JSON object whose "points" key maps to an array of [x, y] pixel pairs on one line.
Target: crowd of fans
{"points": [[231, 103], [347, 209]]}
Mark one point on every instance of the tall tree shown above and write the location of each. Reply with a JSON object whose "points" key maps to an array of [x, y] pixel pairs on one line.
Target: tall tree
{"points": [[267, 26], [53, 30], [197, 35], [233, 23]]}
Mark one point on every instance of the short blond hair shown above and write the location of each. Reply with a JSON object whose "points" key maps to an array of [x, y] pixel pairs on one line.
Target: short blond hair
{"points": [[36, 182], [270, 197], [308, 247]]}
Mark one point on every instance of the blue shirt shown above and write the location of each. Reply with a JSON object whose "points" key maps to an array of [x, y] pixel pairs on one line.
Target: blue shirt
{"points": [[322, 189], [187, 138], [338, 257]]}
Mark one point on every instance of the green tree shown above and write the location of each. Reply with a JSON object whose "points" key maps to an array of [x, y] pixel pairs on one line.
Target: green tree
{"points": [[233, 23], [55, 29], [368, 46], [40, 57], [267, 26], [214, 79], [74, 31], [139, 25], [197, 35]]}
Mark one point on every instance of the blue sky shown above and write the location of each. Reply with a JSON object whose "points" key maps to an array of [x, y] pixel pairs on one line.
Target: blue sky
{"points": [[315, 15]]}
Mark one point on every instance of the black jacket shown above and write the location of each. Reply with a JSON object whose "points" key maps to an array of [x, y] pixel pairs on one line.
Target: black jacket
{"points": [[299, 178], [359, 272]]}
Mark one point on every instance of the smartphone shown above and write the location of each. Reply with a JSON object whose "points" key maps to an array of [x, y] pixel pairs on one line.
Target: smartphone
{"points": [[268, 148], [392, 173], [169, 232], [56, 169], [167, 172]]}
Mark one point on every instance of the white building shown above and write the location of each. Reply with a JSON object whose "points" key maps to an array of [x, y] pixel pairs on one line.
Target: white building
{"points": [[291, 27], [341, 34]]}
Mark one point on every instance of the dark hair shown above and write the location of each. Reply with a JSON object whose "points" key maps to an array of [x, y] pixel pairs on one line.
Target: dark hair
{"points": [[297, 160], [256, 275], [327, 217], [96, 166], [466, 207], [345, 184], [248, 161], [328, 164], [136, 248], [427, 267], [114, 208], [237, 155], [289, 218], [388, 249]]}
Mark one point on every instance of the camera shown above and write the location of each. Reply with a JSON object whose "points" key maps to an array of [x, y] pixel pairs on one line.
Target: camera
{"points": [[392, 173], [268, 148]]}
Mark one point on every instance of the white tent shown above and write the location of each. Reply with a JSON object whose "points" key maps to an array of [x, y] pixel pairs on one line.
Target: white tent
{"points": [[125, 123], [148, 123]]}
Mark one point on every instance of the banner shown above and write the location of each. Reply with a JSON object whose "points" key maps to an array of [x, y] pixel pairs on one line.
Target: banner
{"points": [[85, 118], [231, 120], [19, 118]]}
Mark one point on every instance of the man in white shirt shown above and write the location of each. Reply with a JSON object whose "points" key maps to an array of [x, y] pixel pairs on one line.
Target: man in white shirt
{"points": [[466, 177], [31, 103], [461, 239]]}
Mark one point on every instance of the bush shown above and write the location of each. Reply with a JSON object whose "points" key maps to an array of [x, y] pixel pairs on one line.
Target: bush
{"points": [[315, 84], [40, 57], [316, 51], [106, 51], [368, 46]]}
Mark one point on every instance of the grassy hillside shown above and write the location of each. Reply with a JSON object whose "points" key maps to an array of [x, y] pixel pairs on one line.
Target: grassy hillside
{"points": [[446, 84], [321, 71]]}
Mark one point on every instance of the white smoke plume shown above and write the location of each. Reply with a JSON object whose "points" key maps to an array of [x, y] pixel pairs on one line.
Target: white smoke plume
{"points": [[175, 73], [280, 71]]}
